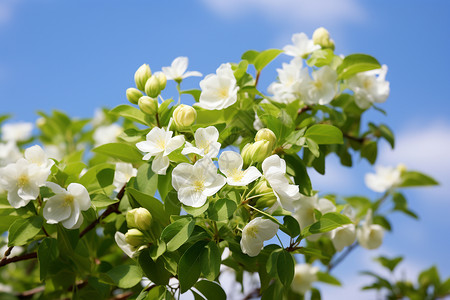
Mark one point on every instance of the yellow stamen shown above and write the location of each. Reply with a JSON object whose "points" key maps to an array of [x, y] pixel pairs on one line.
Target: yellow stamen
{"points": [[23, 180], [199, 185]]}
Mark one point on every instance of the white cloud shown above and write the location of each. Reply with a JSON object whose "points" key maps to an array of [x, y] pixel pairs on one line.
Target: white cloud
{"points": [[325, 12]]}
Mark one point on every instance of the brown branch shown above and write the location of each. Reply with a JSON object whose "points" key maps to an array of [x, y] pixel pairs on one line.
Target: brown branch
{"points": [[303, 109], [253, 294], [354, 138], [257, 77], [122, 296], [27, 256], [40, 289], [342, 257]]}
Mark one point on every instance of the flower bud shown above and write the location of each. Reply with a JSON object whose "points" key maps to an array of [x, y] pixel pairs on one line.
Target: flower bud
{"points": [[184, 116], [256, 152], [141, 76], [402, 168], [266, 134], [135, 238], [143, 219], [148, 105], [152, 87], [304, 277], [246, 154], [370, 236], [343, 236], [267, 199], [133, 95], [162, 79], [321, 37]]}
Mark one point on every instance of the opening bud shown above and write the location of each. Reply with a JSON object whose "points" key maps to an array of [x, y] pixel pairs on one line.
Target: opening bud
{"points": [[133, 95], [256, 152], [141, 76], [162, 79], [148, 105], [266, 134], [321, 37], [152, 87], [139, 218], [267, 198], [184, 116], [135, 238]]}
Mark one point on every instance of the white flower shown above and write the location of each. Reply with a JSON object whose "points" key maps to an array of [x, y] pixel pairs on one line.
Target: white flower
{"points": [[9, 153], [99, 117], [301, 47], [123, 173], [177, 71], [22, 181], [274, 170], [370, 236], [304, 276], [106, 134], [194, 183], [17, 132], [370, 87], [205, 143], [230, 164], [160, 144], [66, 205], [219, 90], [304, 211], [56, 151], [322, 88], [384, 178], [36, 155], [255, 233], [343, 236], [258, 124], [291, 77]]}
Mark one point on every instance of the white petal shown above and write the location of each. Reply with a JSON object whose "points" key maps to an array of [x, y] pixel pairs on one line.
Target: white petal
{"points": [[36, 155], [160, 164], [267, 229], [273, 164], [192, 73], [126, 248], [215, 186], [56, 209], [181, 175], [174, 143], [55, 188], [80, 194], [73, 219], [250, 175], [15, 200], [251, 246], [230, 161], [191, 197]]}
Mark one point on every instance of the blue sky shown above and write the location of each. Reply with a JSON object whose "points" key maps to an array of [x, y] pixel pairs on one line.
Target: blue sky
{"points": [[78, 55]]}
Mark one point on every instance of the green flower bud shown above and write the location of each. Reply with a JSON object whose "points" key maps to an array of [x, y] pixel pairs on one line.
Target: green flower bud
{"points": [[141, 76], [184, 116], [148, 105], [321, 37], [162, 79], [266, 134], [152, 87], [142, 218], [130, 218], [135, 238], [267, 199], [256, 152], [133, 95]]}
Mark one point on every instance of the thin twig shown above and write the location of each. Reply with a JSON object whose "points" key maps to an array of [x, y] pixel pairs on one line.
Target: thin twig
{"points": [[253, 294], [257, 77], [354, 138], [342, 257], [27, 256], [111, 209], [303, 109]]}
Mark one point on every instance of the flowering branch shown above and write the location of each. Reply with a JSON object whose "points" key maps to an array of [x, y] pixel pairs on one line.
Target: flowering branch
{"points": [[27, 256]]}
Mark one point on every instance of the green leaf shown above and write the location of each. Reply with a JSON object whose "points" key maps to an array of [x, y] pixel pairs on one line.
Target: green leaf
{"points": [[146, 181], [125, 276], [250, 56], [320, 58], [313, 147], [130, 113], [193, 93], [190, 266], [414, 178], [299, 172], [327, 222], [291, 225], [177, 233], [265, 57], [429, 277], [67, 241], [356, 63], [154, 270], [358, 202], [211, 261], [23, 230], [327, 278], [370, 151], [153, 205], [271, 264], [387, 134], [102, 201], [222, 210], [324, 134], [285, 268], [196, 211], [210, 290], [207, 117], [240, 69], [124, 152], [389, 263], [46, 254]]}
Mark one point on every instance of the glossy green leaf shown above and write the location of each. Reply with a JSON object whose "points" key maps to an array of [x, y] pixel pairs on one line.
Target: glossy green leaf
{"points": [[324, 134], [222, 210], [265, 57], [24, 230], [124, 152], [153, 205], [327, 278], [356, 63], [210, 290], [177, 233], [211, 261], [131, 113], [285, 267], [190, 266], [153, 269], [414, 178], [327, 222], [47, 253], [125, 276], [389, 263]]}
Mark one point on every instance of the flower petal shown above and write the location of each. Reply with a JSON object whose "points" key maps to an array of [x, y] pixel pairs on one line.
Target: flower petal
{"points": [[190, 196], [80, 194], [56, 209], [160, 164], [230, 161]]}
